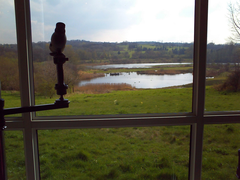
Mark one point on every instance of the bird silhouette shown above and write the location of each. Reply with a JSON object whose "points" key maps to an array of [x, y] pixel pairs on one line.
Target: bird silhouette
{"points": [[58, 39]]}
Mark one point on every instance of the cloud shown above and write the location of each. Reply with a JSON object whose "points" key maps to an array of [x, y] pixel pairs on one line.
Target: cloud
{"points": [[7, 36], [7, 21], [85, 18], [218, 23], [187, 12], [117, 20]]}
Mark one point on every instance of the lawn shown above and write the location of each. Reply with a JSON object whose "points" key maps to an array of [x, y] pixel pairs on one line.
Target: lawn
{"points": [[125, 102], [133, 152]]}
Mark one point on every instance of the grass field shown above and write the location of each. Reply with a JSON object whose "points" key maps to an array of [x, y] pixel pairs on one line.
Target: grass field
{"points": [[125, 102], [128, 153], [132, 152]]}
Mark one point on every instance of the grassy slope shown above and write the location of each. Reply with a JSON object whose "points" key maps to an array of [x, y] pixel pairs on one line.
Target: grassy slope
{"points": [[129, 153], [128, 102]]}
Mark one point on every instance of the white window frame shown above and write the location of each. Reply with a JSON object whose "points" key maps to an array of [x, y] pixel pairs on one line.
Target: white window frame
{"points": [[29, 123]]}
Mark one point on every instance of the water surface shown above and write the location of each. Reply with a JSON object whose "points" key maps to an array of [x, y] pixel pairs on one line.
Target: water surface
{"points": [[144, 81]]}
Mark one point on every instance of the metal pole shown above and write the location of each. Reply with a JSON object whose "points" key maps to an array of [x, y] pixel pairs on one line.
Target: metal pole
{"points": [[2, 157], [3, 174], [238, 168], [61, 87]]}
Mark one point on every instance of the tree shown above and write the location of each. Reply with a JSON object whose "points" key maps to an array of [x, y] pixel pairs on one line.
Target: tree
{"points": [[234, 18], [9, 73], [232, 82], [45, 78], [71, 76]]}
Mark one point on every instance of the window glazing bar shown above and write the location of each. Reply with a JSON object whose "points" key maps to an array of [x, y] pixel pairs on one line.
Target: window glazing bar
{"points": [[24, 41], [200, 47]]}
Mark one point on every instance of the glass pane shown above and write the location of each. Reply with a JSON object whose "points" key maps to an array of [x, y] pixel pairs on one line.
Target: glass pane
{"points": [[115, 153], [220, 151], [15, 158], [125, 57], [9, 76], [222, 75]]}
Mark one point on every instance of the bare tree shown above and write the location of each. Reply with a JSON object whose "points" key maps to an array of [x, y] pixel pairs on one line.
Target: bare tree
{"points": [[234, 18]]}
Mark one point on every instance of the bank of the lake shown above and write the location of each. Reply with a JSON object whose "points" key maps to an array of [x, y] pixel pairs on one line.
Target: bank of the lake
{"points": [[142, 75], [143, 81]]}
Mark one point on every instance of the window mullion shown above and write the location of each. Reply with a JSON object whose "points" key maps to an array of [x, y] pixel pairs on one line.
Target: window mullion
{"points": [[200, 46], [200, 49], [23, 26]]}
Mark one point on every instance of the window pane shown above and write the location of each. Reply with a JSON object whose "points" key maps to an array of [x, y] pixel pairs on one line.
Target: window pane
{"points": [[220, 151], [124, 57], [115, 153], [222, 75], [15, 159], [9, 76]]}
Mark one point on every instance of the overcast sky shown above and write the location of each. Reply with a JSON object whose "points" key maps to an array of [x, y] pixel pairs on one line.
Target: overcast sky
{"points": [[117, 20]]}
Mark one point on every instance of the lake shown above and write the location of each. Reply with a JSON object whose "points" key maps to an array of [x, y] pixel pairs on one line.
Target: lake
{"points": [[143, 81]]}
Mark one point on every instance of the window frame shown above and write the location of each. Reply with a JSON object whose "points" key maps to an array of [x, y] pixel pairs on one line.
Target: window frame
{"points": [[29, 123]]}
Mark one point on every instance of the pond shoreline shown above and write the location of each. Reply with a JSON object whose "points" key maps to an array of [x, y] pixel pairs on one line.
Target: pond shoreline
{"points": [[145, 81]]}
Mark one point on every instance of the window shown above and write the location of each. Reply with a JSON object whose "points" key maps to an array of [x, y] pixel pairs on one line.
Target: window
{"points": [[9, 56], [118, 33], [222, 61], [193, 117]]}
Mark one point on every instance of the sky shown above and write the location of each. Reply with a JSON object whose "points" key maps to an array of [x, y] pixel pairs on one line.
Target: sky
{"points": [[117, 20]]}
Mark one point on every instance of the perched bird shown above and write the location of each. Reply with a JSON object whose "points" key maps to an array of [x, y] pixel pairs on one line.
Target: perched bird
{"points": [[58, 39]]}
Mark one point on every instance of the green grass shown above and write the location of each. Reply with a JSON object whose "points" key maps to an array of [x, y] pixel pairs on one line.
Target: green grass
{"points": [[11, 99], [129, 153], [142, 102], [15, 158], [221, 101], [220, 151], [129, 102], [114, 153]]}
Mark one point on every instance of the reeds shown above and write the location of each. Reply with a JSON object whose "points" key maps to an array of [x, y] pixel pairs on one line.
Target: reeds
{"points": [[87, 76]]}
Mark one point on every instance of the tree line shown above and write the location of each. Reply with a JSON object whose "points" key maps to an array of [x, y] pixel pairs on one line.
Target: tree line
{"points": [[225, 53], [88, 52]]}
